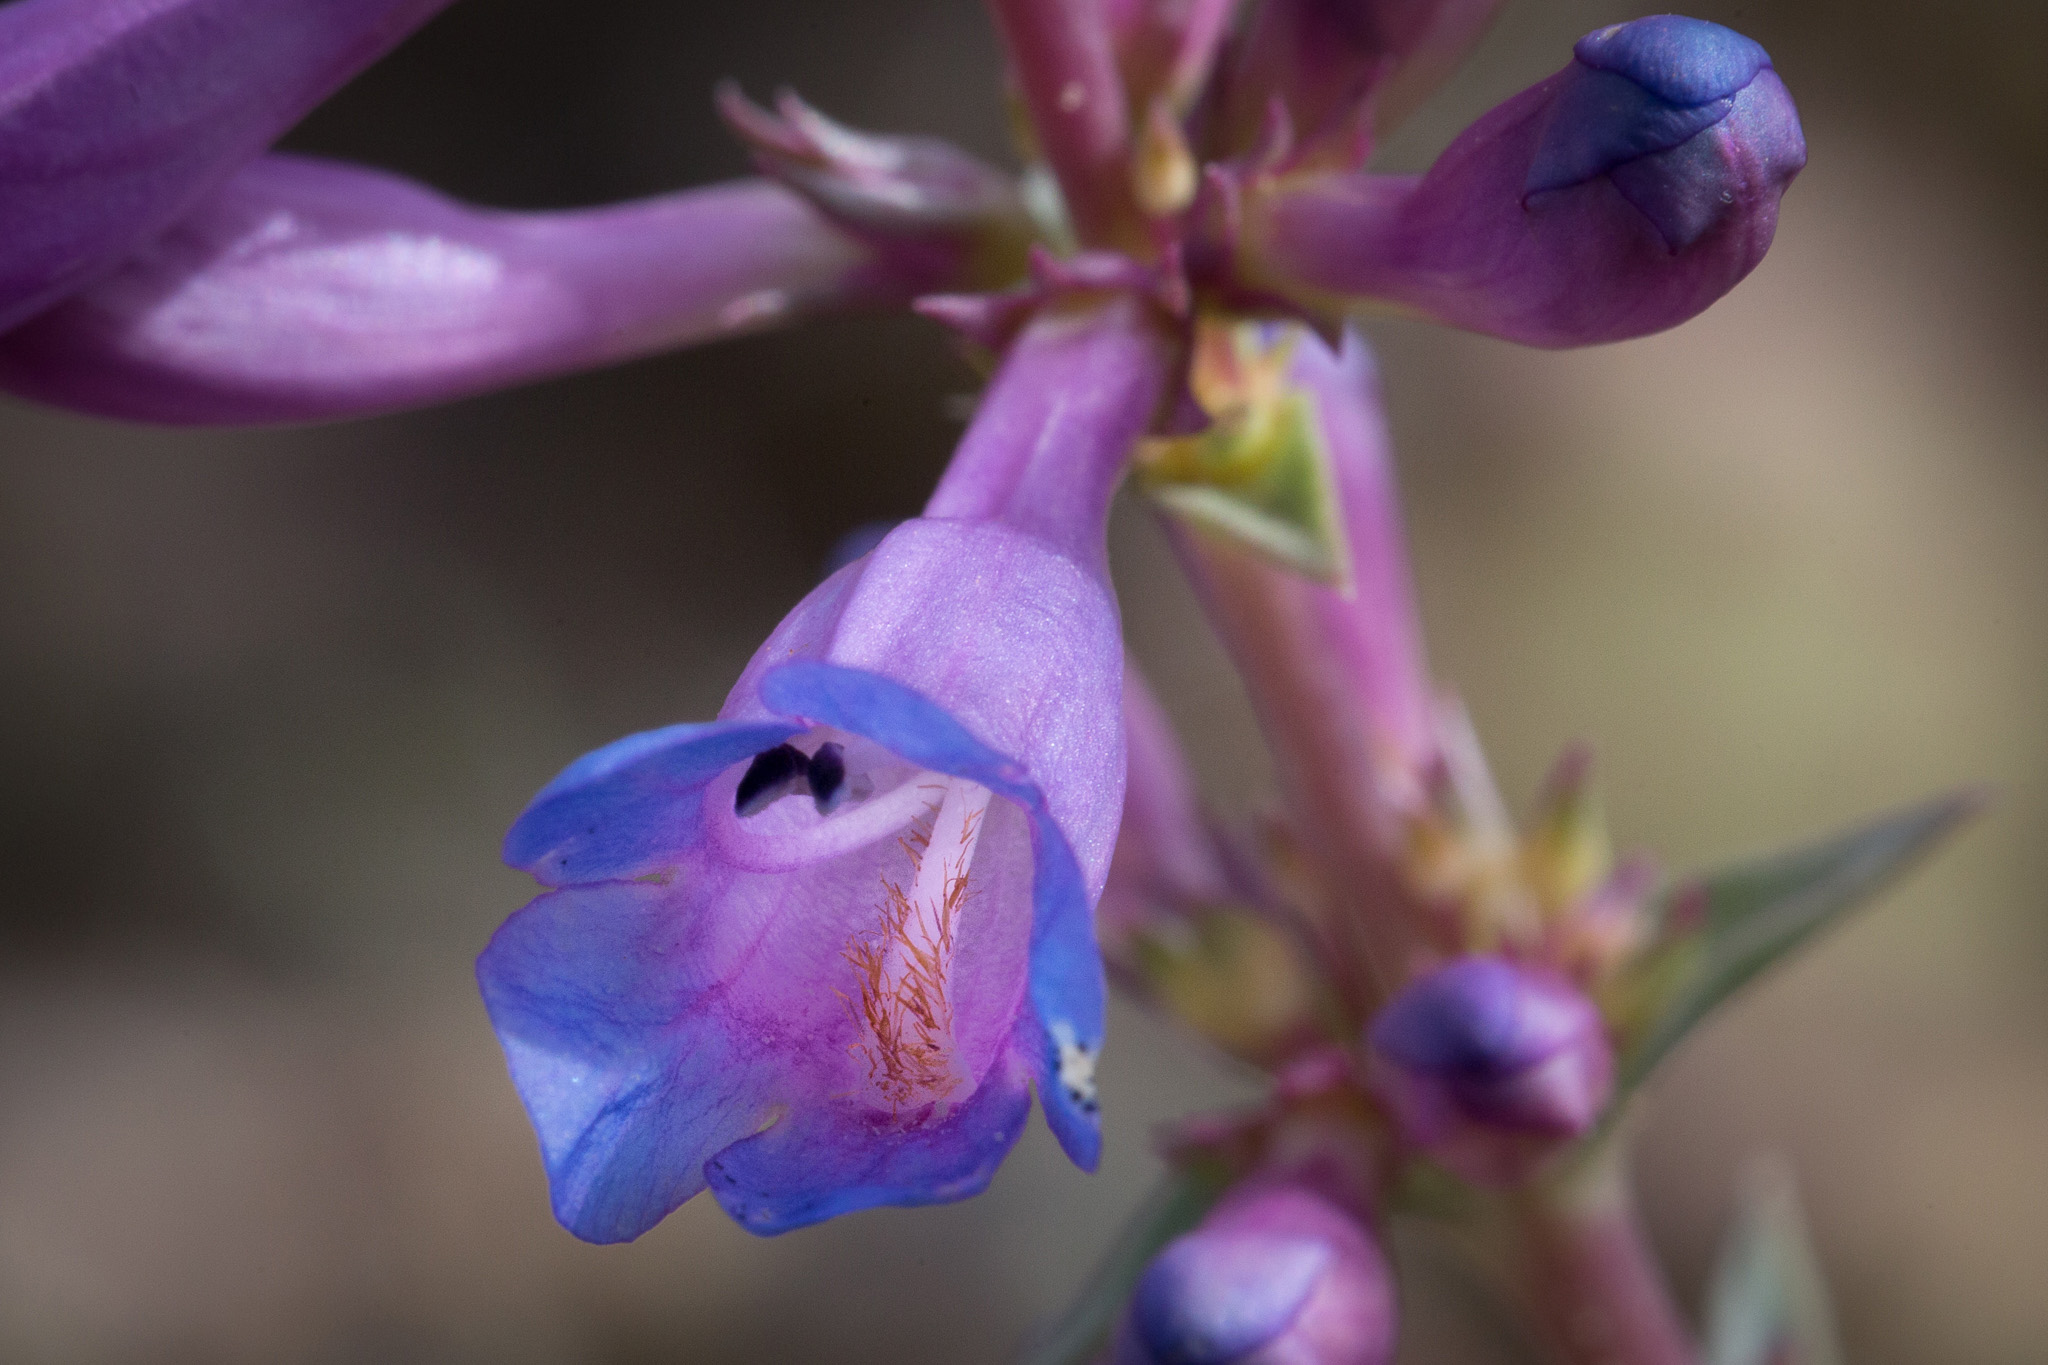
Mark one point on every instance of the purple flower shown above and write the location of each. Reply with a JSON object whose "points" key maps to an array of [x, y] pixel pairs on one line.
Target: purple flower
{"points": [[1489, 1065], [1275, 1275], [1619, 197], [817, 952], [155, 268]]}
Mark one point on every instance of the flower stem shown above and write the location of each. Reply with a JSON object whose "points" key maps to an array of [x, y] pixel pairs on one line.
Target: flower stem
{"points": [[1592, 1283], [1055, 429], [1065, 69], [1322, 753]]}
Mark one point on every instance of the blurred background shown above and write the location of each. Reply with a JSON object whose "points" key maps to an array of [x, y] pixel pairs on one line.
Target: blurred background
{"points": [[268, 700]]}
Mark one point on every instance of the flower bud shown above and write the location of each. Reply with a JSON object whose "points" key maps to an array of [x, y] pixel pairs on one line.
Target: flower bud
{"points": [[1620, 197], [1489, 1065], [1686, 119], [1275, 1275]]}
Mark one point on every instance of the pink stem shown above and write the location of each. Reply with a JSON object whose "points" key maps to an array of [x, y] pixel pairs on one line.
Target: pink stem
{"points": [[1322, 757], [1064, 62], [1593, 1283], [1338, 683]]}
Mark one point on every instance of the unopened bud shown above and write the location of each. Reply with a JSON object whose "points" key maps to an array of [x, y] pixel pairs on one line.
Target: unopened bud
{"points": [[1619, 197], [1686, 118], [1276, 1275], [1490, 1065]]}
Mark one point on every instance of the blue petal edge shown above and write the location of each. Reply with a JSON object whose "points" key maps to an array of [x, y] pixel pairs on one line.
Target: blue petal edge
{"points": [[800, 1171], [605, 812], [1602, 120], [629, 1083]]}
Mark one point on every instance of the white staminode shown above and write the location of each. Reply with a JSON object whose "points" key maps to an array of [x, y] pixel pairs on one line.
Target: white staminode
{"points": [[905, 964]]}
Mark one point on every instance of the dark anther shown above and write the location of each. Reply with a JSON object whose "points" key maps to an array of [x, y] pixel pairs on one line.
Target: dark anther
{"points": [[773, 774], [828, 777]]}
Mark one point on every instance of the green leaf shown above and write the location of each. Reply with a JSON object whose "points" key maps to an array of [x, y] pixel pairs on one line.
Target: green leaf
{"points": [[1173, 1207], [1722, 930], [1768, 1304]]}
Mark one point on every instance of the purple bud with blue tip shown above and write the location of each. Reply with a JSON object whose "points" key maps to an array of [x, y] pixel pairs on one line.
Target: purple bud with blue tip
{"points": [[1276, 1275], [1669, 109], [1490, 1065], [1620, 197]]}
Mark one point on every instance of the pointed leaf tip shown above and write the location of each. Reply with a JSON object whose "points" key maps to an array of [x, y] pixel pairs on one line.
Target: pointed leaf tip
{"points": [[1724, 929]]}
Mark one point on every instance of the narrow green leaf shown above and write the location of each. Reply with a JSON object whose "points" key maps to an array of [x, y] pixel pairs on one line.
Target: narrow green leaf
{"points": [[1768, 1304], [1725, 928], [1173, 1207]]}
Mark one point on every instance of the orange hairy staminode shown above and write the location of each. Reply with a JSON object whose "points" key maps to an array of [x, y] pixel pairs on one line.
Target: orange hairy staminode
{"points": [[904, 965]]}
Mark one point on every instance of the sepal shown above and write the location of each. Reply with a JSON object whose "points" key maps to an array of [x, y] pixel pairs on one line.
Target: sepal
{"points": [[1260, 474], [1567, 854], [888, 189], [1238, 979]]}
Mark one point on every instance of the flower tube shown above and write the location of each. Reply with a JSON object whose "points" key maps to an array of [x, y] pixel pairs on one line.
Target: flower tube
{"points": [[308, 289], [816, 953], [1619, 197], [117, 118]]}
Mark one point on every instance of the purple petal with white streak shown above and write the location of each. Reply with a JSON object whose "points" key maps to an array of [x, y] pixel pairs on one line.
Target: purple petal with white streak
{"points": [[306, 289], [118, 116]]}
